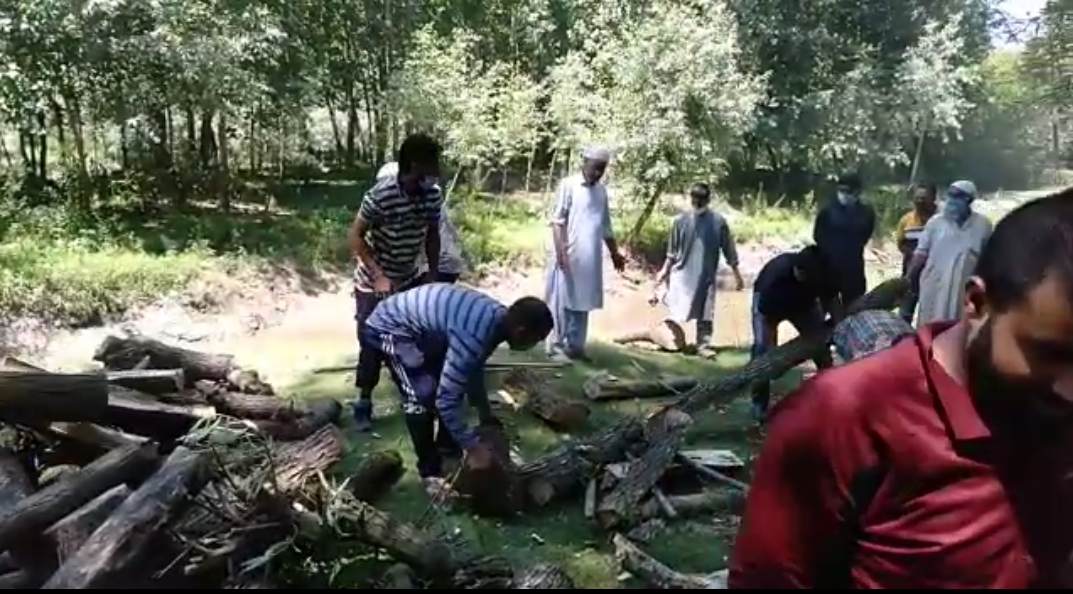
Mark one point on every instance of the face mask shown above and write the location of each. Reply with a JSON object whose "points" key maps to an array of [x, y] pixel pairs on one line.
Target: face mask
{"points": [[846, 198], [957, 209]]}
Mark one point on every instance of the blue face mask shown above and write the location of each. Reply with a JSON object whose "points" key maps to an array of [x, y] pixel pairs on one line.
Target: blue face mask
{"points": [[957, 208]]}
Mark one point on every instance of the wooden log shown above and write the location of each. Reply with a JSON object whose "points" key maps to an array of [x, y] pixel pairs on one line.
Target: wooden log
{"points": [[399, 577], [298, 462], [375, 475], [149, 381], [321, 412], [493, 491], [114, 547], [708, 501], [667, 335], [665, 438], [161, 421], [607, 387], [127, 353], [543, 402], [256, 406], [543, 576], [69, 534], [563, 472], [43, 396], [653, 573], [37, 512], [94, 435]]}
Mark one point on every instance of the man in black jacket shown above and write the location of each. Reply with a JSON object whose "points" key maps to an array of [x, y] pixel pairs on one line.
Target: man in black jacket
{"points": [[843, 228]]}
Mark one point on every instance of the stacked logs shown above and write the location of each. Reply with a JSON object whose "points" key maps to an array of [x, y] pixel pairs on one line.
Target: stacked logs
{"points": [[167, 468]]}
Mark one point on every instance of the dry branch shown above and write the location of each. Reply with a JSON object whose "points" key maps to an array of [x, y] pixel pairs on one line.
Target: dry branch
{"points": [[653, 573]]}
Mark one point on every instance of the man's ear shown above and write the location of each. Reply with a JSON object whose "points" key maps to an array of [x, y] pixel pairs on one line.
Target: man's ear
{"points": [[975, 297]]}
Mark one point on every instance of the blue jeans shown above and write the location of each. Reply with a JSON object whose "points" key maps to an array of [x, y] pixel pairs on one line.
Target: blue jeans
{"points": [[570, 334], [806, 322]]}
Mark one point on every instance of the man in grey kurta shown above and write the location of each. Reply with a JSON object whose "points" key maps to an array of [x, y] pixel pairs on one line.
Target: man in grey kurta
{"points": [[580, 223], [697, 240]]}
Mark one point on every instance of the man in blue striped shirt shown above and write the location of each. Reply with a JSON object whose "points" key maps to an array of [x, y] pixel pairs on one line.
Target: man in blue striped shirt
{"points": [[399, 219], [436, 339]]}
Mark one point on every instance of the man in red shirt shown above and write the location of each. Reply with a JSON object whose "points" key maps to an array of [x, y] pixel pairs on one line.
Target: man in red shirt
{"points": [[945, 461]]}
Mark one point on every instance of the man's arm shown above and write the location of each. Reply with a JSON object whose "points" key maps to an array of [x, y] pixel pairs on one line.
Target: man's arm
{"points": [[369, 214], [920, 255], [462, 362], [796, 530], [609, 234], [432, 238], [730, 251], [560, 215], [899, 235], [673, 252]]}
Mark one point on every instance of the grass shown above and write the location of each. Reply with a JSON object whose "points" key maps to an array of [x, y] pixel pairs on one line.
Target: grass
{"points": [[561, 535]]}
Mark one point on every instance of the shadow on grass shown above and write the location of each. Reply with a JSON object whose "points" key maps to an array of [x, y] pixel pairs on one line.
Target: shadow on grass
{"points": [[561, 535]]}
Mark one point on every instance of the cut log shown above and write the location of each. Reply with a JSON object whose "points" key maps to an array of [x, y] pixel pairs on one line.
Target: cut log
{"points": [[543, 576], [708, 501], [149, 381], [94, 435], [144, 416], [607, 387], [43, 396], [37, 512], [667, 335], [298, 462], [127, 353], [493, 491], [563, 472], [653, 573], [375, 475], [665, 438], [69, 534], [321, 412], [122, 539], [399, 577], [541, 400], [255, 406]]}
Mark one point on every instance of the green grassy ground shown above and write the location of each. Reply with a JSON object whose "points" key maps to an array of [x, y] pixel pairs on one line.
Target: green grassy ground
{"points": [[560, 535]]}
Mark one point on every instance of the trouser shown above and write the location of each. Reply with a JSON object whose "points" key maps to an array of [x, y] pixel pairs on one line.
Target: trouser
{"points": [[370, 361], [570, 332], [416, 377], [809, 322], [852, 285], [447, 277], [705, 329]]}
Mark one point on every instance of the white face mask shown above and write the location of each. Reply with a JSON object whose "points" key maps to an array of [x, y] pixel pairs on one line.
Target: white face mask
{"points": [[846, 198]]}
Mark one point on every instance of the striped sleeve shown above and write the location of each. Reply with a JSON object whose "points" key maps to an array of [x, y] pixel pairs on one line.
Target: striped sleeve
{"points": [[468, 342], [371, 210], [434, 204]]}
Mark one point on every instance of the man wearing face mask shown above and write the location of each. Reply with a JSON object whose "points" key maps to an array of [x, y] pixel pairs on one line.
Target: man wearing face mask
{"points": [[398, 219], [842, 229], [910, 227], [580, 223], [696, 242], [946, 254], [944, 461]]}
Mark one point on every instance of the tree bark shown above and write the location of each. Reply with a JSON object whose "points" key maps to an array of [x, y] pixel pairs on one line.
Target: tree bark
{"points": [[151, 418], [298, 462], [70, 533], [121, 540], [127, 353], [149, 381], [43, 396], [37, 512], [611, 388], [254, 406], [543, 576], [708, 501], [655, 574], [322, 412], [560, 413], [493, 491]]}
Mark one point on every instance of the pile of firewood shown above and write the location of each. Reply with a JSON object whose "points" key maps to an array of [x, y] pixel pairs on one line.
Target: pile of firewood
{"points": [[167, 468]]}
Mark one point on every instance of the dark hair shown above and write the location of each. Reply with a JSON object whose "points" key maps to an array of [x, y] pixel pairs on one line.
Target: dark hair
{"points": [[850, 180], [1032, 241], [533, 314], [811, 261], [701, 190], [418, 148], [928, 187]]}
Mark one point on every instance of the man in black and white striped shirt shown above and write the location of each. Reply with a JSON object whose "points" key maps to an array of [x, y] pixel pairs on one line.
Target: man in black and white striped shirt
{"points": [[398, 220]]}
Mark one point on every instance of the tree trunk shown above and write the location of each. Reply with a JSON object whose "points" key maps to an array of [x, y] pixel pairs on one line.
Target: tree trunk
{"points": [[158, 420], [69, 534], [252, 406], [558, 412], [602, 388], [121, 541], [299, 462], [127, 353], [53, 396], [375, 475], [325, 411], [150, 381]]}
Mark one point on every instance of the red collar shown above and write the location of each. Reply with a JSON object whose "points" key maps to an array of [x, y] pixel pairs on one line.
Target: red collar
{"points": [[959, 410]]}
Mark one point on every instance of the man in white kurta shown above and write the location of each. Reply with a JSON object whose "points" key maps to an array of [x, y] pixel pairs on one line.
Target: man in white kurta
{"points": [[946, 254], [580, 224]]}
